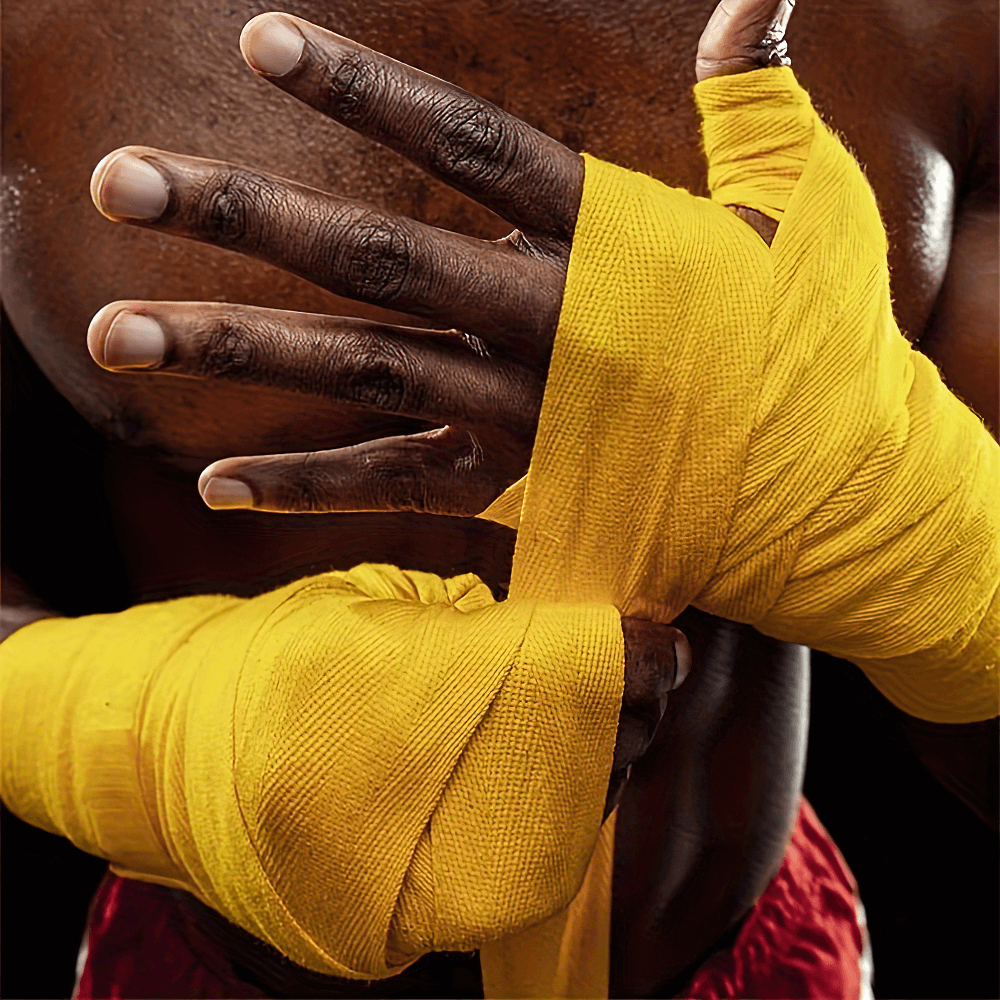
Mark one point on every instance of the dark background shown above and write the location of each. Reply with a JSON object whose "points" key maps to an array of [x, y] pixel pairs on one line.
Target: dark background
{"points": [[927, 867]]}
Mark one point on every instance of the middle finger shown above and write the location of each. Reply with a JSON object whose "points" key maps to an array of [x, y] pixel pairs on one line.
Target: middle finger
{"points": [[491, 289]]}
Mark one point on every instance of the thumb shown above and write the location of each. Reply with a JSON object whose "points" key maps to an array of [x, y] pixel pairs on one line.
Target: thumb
{"points": [[657, 661], [743, 35]]}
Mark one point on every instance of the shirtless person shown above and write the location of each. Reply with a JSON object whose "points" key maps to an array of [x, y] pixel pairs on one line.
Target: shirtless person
{"points": [[221, 427]]}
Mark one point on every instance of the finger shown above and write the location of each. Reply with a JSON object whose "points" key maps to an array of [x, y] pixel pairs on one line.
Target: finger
{"points": [[657, 661], [437, 472], [490, 289], [733, 39], [439, 377], [524, 176]]}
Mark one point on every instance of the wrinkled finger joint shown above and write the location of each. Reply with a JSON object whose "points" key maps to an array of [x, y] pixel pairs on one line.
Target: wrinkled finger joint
{"points": [[470, 458], [352, 90], [228, 349], [379, 259], [231, 209], [473, 145], [474, 344], [380, 379]]}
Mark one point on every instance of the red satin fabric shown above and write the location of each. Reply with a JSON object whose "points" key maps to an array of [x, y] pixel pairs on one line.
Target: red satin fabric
{"points": [[137, 949], [802, 939]]}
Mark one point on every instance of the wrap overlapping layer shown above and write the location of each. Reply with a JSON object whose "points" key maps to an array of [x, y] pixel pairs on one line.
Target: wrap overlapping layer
{"points": [[358, 768], [744, 428]]}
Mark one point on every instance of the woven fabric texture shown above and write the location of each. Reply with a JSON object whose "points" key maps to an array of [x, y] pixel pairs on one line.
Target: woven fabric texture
{"points": [[358, 768], [744, 428]]}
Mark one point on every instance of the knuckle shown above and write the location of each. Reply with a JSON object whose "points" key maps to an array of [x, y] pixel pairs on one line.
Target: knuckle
{"points": [[232, 209], [379, 380], [351, 90], [468, 457], [474, 145], [379, 260], [228, 348], [474, 344], [429, 476]]}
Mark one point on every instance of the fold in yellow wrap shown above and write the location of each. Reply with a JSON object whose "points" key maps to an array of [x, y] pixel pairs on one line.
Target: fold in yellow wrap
{"points": [[744, 428], [358, 768]]}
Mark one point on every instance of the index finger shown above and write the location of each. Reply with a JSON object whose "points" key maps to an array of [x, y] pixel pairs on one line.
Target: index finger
{"points": [[523, 175]]}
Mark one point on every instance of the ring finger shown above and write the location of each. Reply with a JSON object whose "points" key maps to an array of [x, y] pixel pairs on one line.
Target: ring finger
{"points": [[441, 377]]}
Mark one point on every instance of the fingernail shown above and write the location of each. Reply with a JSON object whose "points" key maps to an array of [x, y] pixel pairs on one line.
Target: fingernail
{"points": [[221, 493], [125, 187], [133, 341], [271, 44]]}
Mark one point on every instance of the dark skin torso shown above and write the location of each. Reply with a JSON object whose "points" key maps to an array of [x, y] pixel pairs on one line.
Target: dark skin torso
{"points": [[912, 87]]}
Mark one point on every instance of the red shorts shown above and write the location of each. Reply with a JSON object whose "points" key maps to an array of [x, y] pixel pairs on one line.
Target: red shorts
{"points": [[807, 935], [805, 938]]}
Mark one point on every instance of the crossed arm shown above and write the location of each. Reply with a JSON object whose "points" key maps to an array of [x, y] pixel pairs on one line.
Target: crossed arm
{"points": [[449, 343]]}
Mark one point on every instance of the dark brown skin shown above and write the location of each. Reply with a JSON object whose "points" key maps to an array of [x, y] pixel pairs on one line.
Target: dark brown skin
{"points": [[615, 84], [481, 389]]}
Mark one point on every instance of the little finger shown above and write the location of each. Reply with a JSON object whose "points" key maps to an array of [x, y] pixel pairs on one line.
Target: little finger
{"points": [[437, 472]]}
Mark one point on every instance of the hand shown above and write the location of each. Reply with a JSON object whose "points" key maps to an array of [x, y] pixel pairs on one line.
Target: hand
{"points": [[731, 41], [478, 391]]}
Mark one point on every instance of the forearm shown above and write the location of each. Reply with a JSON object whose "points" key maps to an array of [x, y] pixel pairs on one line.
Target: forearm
{"points": [[752, 489], [897, 553], [72, 757]]}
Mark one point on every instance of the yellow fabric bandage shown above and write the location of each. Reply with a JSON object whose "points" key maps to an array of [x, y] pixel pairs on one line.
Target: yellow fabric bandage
{"points": [[744, 428], [358, 768]]}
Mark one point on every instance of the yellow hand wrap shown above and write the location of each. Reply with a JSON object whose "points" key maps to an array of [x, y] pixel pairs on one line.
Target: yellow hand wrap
{"points": [[745, 429], [358, 768]]}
